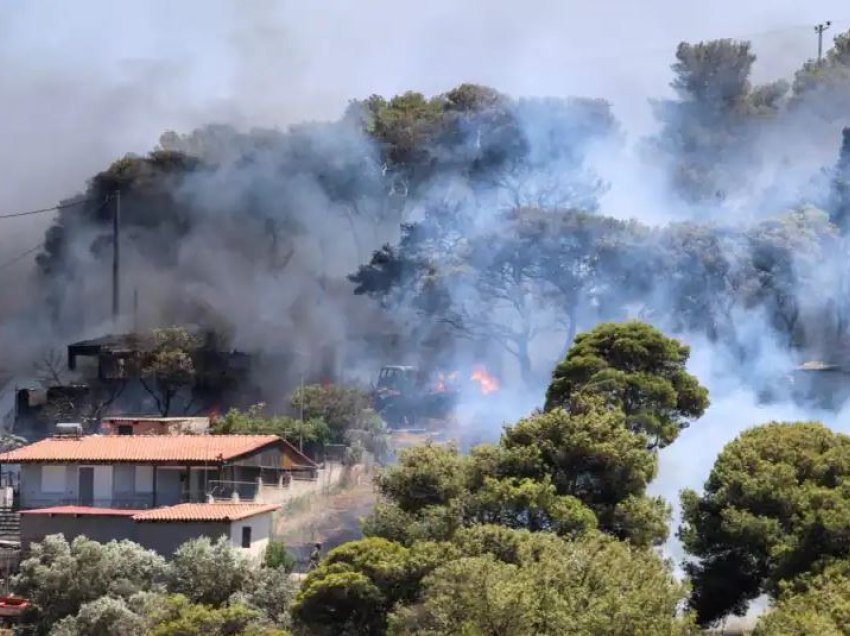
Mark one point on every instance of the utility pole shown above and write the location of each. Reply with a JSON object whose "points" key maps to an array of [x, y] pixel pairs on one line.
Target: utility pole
{"points": [[135, 310], [819, 29], [116, 225], [301, 428]]}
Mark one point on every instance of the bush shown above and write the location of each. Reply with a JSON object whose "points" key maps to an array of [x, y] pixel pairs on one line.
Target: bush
{"points": [[209, 573], [59, 578], [276, 556]]}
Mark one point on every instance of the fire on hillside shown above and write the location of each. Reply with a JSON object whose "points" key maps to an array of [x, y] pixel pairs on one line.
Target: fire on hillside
{"points": [[487, 383]]}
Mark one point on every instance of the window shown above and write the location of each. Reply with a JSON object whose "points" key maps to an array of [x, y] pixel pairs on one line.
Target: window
{"points": [[144, 478], [125, 429], [246, 536], [53, 479]]}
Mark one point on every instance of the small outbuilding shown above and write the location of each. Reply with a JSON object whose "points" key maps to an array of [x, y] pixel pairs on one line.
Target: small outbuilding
{"points": [[248, 526]]}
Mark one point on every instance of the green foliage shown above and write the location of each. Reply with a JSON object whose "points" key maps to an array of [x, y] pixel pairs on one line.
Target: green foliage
{"points": [[342, 408], [333, 414], [209, 573], [59, 578], [177, 616], [432, 523], [87, 589], [357, 585], [776, 506], [590, 456], [593, 585], [169, 366], [526, 503], [428, 475], [106, 615], [276, 556], [823, 608], [821, 87], [255, 421], [708, 133], [339, 602], [272, 592], [636, 368], [556, 471]]}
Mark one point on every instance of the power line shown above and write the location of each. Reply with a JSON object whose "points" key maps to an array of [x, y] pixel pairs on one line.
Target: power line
{"points": [[24, 254], [20, 256], [60, 206]]}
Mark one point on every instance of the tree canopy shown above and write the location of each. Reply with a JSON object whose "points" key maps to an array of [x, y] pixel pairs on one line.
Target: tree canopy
{"points": [[635, 368], [775, 507]]}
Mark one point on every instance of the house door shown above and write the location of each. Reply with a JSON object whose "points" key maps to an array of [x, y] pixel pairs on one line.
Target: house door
{"points": [[86, 483]]}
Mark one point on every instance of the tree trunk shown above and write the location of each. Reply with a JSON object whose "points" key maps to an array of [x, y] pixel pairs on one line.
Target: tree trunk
{"points": [[571, 332], [524, 360]]}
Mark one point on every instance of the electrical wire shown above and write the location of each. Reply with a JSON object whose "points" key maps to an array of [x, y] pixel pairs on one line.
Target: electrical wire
{"points": [[24, 254], [20, 256], [60, 206]]}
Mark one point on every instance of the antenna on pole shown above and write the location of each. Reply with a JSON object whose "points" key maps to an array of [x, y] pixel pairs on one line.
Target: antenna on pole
{"points": [[819, 29]]}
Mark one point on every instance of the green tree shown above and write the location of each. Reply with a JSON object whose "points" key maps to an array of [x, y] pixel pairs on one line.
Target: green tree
{"points": [[169, 366], [822, 87], [358, 583], [557, 471], [708, 132], [340, 407], [348, 414], [340, 602], [256, 421], [530, 504], [776, 506], [591, 585], [59, 578], [637, 369], [277, 556], [784, 255], [428, 475], [820, 608], [177, 616], [209, 572], [594, 459], [432, 523]]}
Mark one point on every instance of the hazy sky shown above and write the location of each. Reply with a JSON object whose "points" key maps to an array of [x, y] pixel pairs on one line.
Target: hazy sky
{"points": [[84, 82]]}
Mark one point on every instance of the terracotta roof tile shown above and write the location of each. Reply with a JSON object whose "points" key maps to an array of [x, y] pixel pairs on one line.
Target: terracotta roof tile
{"points": [[205, 512], [82, 511], [138, 448]]}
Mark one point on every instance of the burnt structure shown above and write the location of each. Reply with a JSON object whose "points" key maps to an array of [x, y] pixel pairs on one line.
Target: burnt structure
{"points": [[107, 380]]}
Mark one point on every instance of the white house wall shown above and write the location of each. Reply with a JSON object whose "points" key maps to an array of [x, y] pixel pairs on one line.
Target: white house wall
{"points": [[261, 528]]}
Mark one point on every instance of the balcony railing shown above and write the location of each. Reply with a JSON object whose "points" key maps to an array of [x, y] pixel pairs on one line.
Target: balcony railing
{"points": [[226, 489]]}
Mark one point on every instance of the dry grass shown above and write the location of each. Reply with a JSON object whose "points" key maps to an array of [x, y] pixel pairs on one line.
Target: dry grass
{"points": [[330, 518]]}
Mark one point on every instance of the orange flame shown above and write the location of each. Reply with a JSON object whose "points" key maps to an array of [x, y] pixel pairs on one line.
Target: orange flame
{"points": [[488, 383], [444, 380]]}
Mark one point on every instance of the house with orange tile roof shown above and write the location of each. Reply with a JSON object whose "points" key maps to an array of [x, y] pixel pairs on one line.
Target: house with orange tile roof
{"points": [[248, 526], [151, 471]]}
